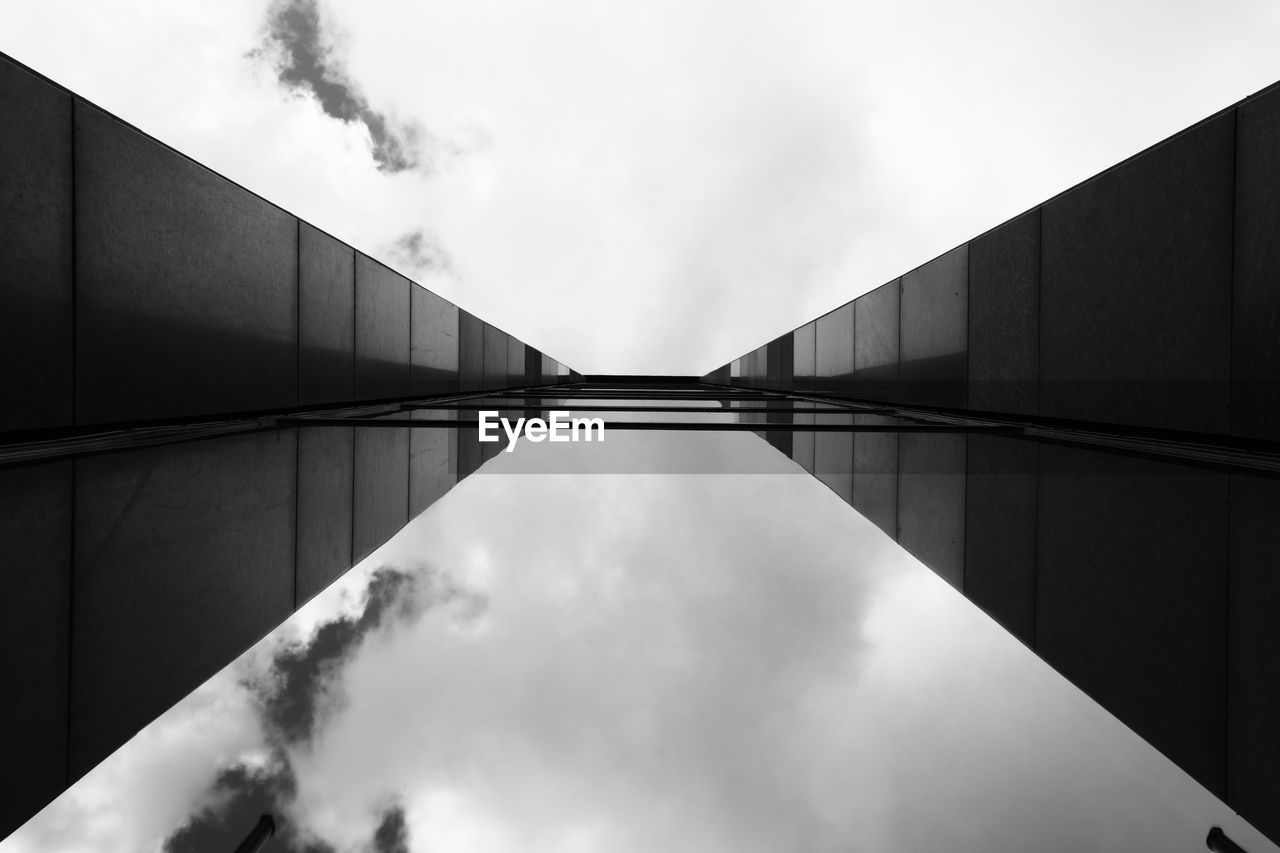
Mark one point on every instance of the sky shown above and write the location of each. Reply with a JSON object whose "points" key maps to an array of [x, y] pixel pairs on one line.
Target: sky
{"points": [[637, 662], [653, 187]]}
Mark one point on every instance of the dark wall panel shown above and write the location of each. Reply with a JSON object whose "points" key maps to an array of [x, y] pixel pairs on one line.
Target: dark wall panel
{"points": [[470, 452], [804, 444], [1255, 368], [1253, 700], [433, 461], [833, 456], [1000, 531], [781, 357], [875, 474], [470, 352], [804, 357], [780, 412], [931, 502], [326, 318], [1135, 294], [1131, 597], [35, 584], [935, 332], [1004, 317], [515, 363], [382, 331], [186, 284], [325, 483], [490, 449], [495, 358], [757, 366], [184, 557], [434, 343], [381, 487], [532, 366], [834, 352], [876, 334], [35, 252]]}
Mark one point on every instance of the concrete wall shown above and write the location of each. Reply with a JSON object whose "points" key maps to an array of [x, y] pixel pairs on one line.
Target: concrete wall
{"points": [[383, 328], [138, 286], [495, 358], [36, 263], [133, 577], [326, 318], [1151, 586], [186, 285], [1144, 297], [834, 358]]}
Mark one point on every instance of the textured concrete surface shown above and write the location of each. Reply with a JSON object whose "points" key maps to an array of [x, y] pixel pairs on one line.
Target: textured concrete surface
{"points": [[804, 355], [1131, 596], [1004, 317], [931, 502], [326, 318], [382, 331], [381, 487], [35, 583], [1000, 531], [780, 355], [875, 474], [876, 352], [495, 358], [1253, 700], [325, 508], [433, 343], [834, 352], [1135, 290], [1255, 318], [470, 352], [433, 461], [35, 252], [935, 332], [833, 456], [184, 557], [186, 284]]}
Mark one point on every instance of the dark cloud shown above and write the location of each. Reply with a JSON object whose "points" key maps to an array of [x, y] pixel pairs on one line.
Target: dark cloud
{"points": [[420, 252], [290, 697], [300, 675], [392, 835], [302, 52], [241, 795]]}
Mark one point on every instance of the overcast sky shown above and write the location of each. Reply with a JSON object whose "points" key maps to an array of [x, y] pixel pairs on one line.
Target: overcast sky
{"points": [[653, 187]]}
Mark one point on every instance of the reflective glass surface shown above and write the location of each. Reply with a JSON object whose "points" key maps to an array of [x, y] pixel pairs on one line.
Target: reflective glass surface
{"points": [[681, 637]]}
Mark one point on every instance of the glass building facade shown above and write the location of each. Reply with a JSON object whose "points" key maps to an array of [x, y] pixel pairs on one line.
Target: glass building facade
{"points": [[212, 417]]}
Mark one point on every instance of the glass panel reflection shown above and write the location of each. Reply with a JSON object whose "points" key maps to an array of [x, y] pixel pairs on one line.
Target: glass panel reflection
{"points": [[576, 655]]}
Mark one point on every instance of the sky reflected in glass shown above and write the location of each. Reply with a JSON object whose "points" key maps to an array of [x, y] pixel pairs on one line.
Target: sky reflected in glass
{"points": [[637, 662]]}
